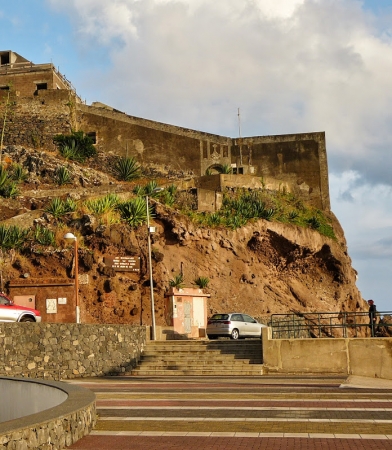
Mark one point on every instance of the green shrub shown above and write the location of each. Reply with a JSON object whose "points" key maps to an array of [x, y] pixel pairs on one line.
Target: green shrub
{"points": [[127, 169], [76, 146]]}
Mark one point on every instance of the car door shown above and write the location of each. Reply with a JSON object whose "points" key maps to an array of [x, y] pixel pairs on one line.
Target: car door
{"points": [[7, 313], [251, 325], [237, 322]]}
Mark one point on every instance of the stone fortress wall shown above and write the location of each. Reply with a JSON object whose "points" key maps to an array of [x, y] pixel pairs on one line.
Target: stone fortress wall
{"points": [[297, 162]]}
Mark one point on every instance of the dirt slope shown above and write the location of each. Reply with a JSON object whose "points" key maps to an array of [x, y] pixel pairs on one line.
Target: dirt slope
{"points": [[262, 268]]}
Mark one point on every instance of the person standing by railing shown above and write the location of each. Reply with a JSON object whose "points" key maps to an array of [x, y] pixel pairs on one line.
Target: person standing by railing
{"points": [[372, 317]]}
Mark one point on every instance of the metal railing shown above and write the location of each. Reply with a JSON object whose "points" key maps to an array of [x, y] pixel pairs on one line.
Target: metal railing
{"points": [[330, 325]]}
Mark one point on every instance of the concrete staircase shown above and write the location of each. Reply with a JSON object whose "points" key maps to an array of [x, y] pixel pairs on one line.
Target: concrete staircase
{"points": [[218, 357]]}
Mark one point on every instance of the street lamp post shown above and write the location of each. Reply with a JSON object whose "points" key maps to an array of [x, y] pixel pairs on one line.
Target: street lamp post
{"points": [[149, 231], [69, 237]]}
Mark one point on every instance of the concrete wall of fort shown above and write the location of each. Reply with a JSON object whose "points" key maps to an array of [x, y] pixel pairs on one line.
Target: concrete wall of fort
{"points": [[69, 350], [298, 160]]}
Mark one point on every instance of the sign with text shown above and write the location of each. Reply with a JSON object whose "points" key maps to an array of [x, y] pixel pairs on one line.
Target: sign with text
{"points": [[123, 263]]}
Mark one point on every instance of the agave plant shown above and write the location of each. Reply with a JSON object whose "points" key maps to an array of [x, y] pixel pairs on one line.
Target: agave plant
{"points": [[150, 189], [56, 208], [70, 151], [62, 176], [172, 189], [127, 169], [102, 205], [235, 222], [166, 197], [134, 211], [18, 173], [268, 213], [9, 189], [293, 215], [44, 236], [214, 220], [12, 237], [4, 177], [70, 206], [177, 282], [225, 169], [139, 190], [202, 282], [314, 223]]}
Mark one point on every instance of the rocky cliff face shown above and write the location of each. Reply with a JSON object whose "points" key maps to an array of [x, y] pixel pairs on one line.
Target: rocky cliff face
{"points": [[262, 268]]}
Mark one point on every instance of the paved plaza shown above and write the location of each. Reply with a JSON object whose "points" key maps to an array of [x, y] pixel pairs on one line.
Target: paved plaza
{"points": [[266, 412]]}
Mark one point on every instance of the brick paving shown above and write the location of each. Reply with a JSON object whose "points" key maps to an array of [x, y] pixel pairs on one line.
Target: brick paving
{"points": [[274, 413]]}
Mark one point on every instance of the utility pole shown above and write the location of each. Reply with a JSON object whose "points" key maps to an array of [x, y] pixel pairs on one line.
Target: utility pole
{"points": [[4, 121]]}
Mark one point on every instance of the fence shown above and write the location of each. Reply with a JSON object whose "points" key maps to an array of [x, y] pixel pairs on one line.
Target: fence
{"points": [[330, 325]]}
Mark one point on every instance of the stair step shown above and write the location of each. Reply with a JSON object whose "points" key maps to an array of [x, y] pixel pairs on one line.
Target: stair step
{"points": [[210, 358]]}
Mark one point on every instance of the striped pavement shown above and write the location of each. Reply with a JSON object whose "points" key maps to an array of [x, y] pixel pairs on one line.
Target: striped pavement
{"points": [[266, 412]]}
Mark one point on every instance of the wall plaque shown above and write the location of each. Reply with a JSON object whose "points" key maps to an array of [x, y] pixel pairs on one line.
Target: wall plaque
{"points": [[123, 263]]}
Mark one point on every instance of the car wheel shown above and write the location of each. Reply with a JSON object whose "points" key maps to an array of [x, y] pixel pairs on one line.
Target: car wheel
{"points": [[27, 319], [212, 337], [235, 334]]}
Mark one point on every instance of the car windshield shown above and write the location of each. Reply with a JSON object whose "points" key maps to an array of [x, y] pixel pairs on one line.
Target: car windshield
{"points": [[220, 317]]}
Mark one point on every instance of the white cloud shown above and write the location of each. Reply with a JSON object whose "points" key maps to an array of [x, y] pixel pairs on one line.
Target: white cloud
{"points": [[290, 65]]}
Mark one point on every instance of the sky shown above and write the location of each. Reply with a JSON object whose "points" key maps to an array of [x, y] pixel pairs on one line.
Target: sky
{"points": [[291, 66]]}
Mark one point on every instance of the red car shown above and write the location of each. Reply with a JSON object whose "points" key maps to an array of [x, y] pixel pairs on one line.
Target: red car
{"points": [[9, 312]]}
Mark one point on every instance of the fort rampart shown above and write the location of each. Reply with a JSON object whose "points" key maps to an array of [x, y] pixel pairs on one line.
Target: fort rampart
{"points": [[296, 161]]}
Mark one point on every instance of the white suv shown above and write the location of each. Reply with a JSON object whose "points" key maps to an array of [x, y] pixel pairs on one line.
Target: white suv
{"points": [[9, 312]]}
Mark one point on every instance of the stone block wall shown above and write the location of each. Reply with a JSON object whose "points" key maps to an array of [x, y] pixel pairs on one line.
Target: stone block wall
{"points": [[65, 351], [34, 122]]}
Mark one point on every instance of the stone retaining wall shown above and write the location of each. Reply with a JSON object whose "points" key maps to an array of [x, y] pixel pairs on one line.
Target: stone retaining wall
{"points": [[64, 351]]}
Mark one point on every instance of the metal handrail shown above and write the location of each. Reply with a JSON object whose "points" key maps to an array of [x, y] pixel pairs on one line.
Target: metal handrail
{"points": [[330, 324]]}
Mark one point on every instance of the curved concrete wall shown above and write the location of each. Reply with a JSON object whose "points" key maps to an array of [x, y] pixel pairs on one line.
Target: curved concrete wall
{"points": [[20, 399], [53, 428]]}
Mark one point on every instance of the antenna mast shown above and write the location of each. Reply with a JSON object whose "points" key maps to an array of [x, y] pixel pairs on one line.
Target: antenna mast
{"points": [[239, 123]]}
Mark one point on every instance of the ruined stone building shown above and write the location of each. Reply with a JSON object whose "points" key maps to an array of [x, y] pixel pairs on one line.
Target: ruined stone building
{"points": [[43, 103]]}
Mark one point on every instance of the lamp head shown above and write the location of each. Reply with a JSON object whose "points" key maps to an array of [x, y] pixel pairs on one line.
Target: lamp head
{"points": [[70, 237]]}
